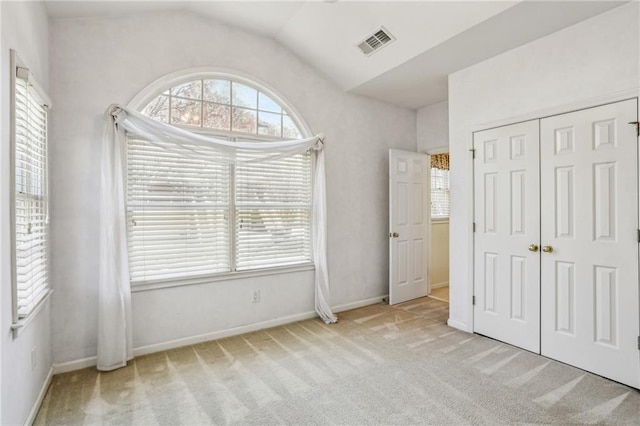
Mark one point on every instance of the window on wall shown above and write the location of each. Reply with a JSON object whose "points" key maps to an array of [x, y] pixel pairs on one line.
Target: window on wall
{"points": [[30, 210], [223, 105], [440, 186], [190, 214]]}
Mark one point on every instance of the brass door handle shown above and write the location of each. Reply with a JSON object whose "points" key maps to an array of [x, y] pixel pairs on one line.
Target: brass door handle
{"points": [[394, 235], [547, 249], [533, 248]]}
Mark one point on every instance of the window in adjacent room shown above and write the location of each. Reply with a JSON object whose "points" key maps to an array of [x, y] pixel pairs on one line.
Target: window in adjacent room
{"points": [[440, 186], [30, 207], [192, 216]]}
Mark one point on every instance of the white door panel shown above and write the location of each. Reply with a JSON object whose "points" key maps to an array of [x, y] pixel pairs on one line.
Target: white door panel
{"points": [[408, 228], [589, 216], [507, 222], [582, 208]]}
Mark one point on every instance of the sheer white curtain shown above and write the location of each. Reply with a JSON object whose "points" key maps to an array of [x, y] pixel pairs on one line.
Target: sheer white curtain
{"points": [[114, 292], [114, 312]]}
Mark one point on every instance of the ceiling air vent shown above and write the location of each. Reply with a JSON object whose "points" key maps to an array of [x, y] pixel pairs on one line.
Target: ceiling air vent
{"points": [[376, 41]]}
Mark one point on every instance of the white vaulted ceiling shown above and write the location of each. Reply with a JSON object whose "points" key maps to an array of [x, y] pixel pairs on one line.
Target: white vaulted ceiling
{"points": [[433, 38]]}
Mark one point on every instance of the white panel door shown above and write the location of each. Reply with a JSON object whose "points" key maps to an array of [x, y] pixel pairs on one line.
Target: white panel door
{"points": [[507, 234], [408, 225], [589, 216]]}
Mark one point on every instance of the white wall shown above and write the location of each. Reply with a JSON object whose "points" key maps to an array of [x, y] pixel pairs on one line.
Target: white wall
{"points": [[25, 29], [433, 127], [590, 60], [96, 62]]}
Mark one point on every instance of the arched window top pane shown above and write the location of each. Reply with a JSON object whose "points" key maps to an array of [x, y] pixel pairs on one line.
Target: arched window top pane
{"points": [[223, 105], [265, 103], [244, 96], [191, 90], [217, 91]]}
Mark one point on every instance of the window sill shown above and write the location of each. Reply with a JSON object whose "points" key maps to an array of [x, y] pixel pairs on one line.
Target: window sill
{"points": [[22, 323], [439, 220], [179, 282]]}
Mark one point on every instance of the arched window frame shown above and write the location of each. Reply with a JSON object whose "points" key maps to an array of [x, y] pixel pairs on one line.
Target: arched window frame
{"points": [[160, 86]]}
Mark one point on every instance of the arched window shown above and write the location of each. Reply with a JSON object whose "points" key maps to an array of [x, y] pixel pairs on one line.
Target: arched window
{"points": [[192, 216], [223, 105]]}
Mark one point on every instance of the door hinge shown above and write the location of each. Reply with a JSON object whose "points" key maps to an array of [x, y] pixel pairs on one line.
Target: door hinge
{"points": [[473, 300], [638, 342], [639, 235], [637, 124], [473, 153], [474, 227]]}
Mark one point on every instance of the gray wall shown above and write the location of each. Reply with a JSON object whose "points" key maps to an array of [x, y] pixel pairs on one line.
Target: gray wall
{"points": [[575, 67], [24, 29], [96, 62]]}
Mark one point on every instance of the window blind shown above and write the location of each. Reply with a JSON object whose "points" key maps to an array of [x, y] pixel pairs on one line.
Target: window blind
{"points": [[31, 198], [439, 193], [273, 208], [191, 214], [178, 211]]}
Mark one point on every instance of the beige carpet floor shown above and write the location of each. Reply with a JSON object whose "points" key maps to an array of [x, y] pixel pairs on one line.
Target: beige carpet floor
{"points": [[378, 365]]}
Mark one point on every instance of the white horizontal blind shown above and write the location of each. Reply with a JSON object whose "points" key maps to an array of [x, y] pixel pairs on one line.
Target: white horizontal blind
{"points": [[178, 211], [273, 208], [31, 198], [439, 193]]}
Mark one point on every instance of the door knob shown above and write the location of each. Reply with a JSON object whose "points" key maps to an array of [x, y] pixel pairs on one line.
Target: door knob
{"points": [[547, 249], [533, 248], [394, 235]]}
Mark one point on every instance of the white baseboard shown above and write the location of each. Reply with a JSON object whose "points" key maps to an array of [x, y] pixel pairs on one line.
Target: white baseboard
{"points": [[38, 402], [74, 365], [459, 325], [440, 285], [359, 304], [192, 340]]}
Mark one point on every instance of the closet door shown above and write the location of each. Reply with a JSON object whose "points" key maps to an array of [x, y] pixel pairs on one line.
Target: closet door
{"points": [[507, 233], [589, 217]]}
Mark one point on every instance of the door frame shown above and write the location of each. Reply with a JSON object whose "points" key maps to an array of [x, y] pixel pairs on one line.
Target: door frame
{"points": [[470, 211], [431, 151]]}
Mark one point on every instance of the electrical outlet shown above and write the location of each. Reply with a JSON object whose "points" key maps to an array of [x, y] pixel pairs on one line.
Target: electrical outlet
{"points": [[255, 296], [34, 358]]}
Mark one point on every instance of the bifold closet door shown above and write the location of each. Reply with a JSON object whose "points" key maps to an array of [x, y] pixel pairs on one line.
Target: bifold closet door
{"points": [[507, 232], [589, 222]]}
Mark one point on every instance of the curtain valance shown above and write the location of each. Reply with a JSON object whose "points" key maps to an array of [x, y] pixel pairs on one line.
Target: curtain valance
{"points": [[114, 310], [440, 161]]}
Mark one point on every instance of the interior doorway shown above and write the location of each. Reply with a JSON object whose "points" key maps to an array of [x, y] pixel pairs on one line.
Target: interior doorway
{"points": [[440, 207]]}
